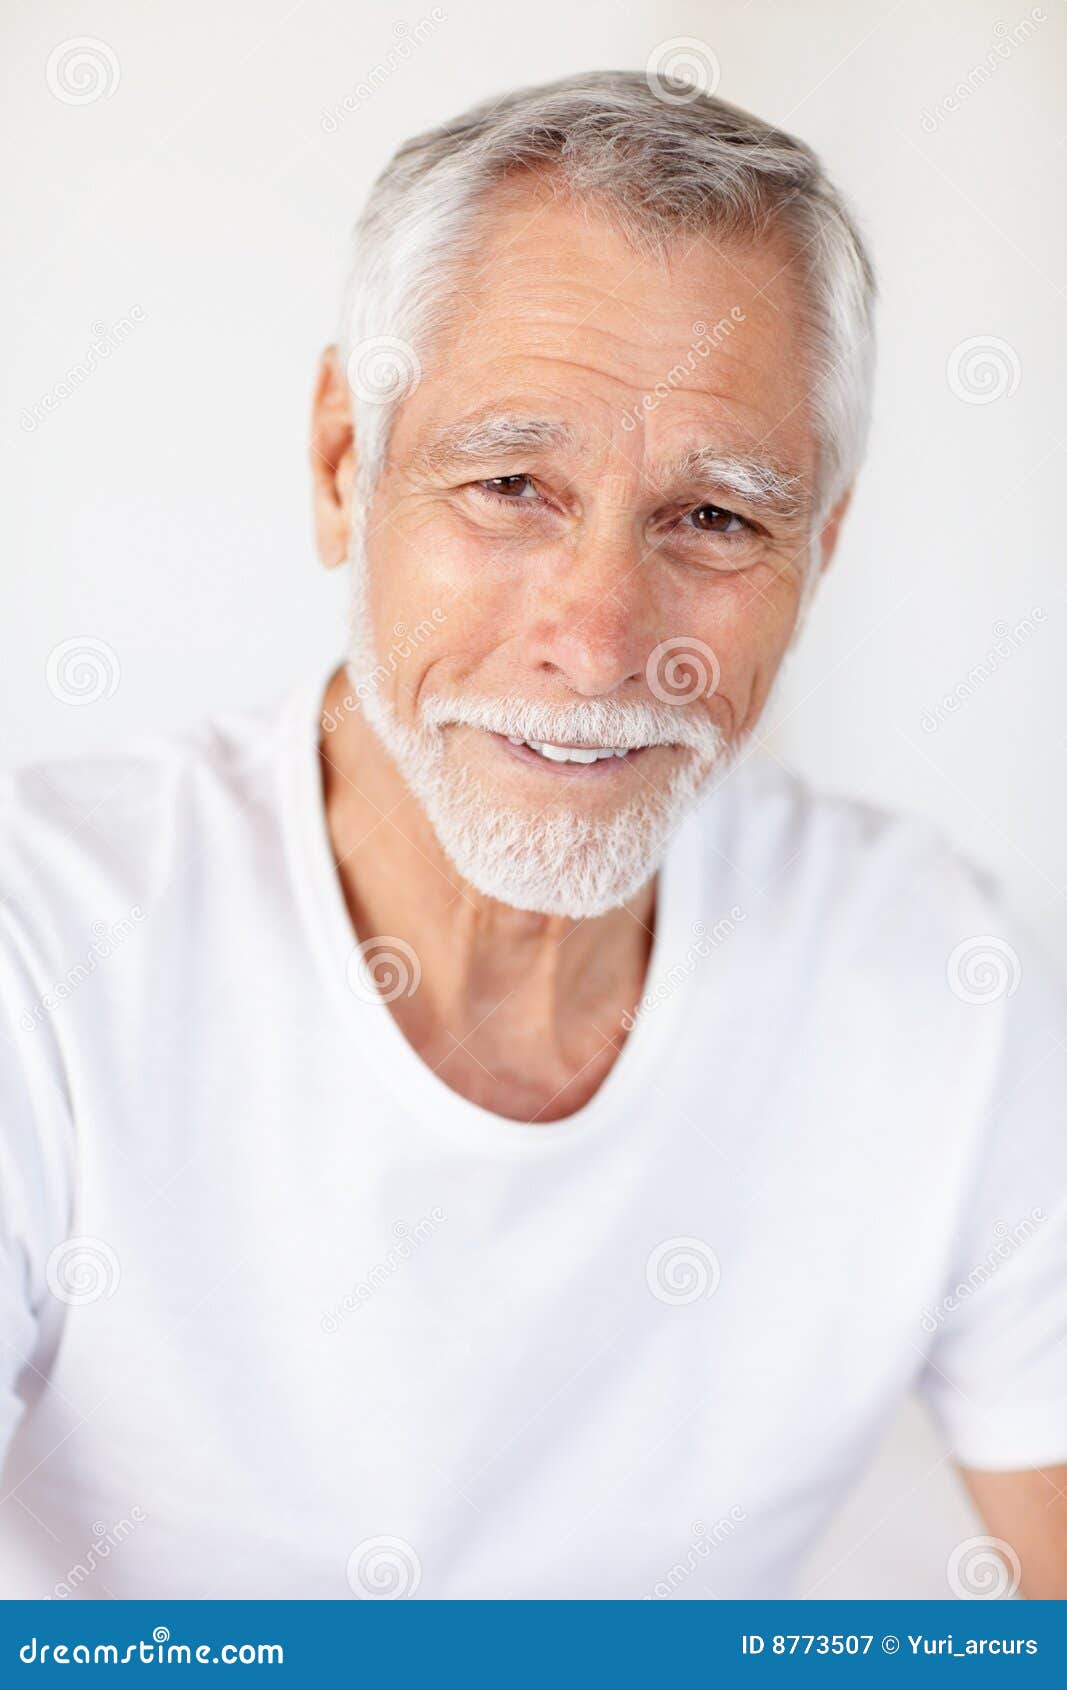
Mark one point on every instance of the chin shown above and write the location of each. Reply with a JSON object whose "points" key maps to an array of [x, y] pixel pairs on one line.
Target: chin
{"points": [[563, 862], [577, 896]]}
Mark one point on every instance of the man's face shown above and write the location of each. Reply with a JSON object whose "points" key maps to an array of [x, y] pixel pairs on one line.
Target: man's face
{"points": [[599, 498]]}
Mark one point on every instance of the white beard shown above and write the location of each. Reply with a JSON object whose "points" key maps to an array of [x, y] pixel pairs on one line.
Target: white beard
{"points": [[559, 861]]}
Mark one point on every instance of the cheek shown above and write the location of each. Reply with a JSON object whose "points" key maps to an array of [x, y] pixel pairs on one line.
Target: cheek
{"points": [[747, 625], [435, 609], [423, 562]]}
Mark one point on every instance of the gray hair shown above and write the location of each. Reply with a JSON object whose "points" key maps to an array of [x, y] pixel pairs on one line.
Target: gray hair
{"points": [[666, 161]]}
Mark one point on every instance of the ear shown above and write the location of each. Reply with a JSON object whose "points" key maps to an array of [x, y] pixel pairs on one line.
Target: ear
{"points": [[831, 528], [333, 460]]}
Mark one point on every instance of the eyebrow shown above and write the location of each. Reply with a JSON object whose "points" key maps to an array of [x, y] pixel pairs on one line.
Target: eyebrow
{"points": [[494, 435], [762, 485]]}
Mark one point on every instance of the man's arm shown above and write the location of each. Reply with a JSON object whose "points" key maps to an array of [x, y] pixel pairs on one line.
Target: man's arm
{"points": [[1028, 1510]]}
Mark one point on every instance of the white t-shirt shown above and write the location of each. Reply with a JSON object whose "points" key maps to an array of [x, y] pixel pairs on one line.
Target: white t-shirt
{"points": [[283, 1316]]}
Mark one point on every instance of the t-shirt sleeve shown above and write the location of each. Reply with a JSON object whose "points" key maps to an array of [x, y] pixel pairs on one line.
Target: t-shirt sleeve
{"points": [[35, 1168], [996, 1371]]}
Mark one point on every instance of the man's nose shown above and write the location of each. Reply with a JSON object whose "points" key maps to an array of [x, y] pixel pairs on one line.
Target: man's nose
{"points": [[591, 621]]}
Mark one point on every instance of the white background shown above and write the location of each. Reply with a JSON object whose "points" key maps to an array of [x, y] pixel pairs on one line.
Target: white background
{"points": [[162, 507]]}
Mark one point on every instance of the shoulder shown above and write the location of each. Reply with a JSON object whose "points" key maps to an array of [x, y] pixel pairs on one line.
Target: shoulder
{"points": [[840, 871], [876, 929], [90, 842], [115, 788], [896, 981]]}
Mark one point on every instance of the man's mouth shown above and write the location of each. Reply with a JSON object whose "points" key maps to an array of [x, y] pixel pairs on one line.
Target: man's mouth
{"points": [[571, 760], [571, 753]]}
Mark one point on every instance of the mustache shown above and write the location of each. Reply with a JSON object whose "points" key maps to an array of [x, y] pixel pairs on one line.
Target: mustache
{"points": [[585, 722]]}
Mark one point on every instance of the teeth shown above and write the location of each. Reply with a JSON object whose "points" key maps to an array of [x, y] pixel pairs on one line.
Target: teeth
{"points": [[566, 754], [570, 753]]}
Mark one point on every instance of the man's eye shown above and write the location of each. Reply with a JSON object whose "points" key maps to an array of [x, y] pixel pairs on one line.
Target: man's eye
{"points": [[712, 519], [509, 486]]}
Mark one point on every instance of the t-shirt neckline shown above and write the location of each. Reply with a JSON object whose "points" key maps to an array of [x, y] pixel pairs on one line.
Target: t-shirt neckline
{"points": [[420, 1090]]}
